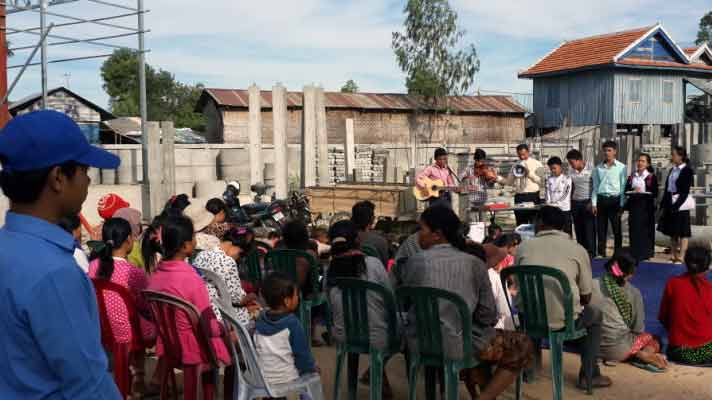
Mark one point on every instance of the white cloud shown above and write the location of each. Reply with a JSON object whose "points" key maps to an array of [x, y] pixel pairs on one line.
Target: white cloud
{"points": [[570, 19], [232, 43]]}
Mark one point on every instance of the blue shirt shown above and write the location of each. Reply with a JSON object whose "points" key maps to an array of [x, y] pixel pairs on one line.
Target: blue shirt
{"points": [[609, 181], [50, 346]]}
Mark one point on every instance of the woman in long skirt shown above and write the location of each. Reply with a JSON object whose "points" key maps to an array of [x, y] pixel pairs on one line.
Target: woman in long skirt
{"points": [[641, 191], [675, 221]]}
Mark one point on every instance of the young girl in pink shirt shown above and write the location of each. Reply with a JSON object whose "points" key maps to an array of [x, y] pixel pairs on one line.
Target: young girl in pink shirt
{"points": [[176, 277], [110, 264]]}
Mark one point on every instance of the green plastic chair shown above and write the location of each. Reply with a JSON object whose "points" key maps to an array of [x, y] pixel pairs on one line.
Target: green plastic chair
{"points": [[370, 251], [355, 307], [425, 303], [285, 261], [535, 323], [254, 269]]}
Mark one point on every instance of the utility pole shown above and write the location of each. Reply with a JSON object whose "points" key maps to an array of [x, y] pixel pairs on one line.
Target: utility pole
{"points": [[43, 29]]}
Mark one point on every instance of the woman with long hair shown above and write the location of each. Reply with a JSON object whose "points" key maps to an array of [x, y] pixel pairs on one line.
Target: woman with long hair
{"points": [[623, 336], [642, 191], [348, 261], [109, 263], [686, 310], [676, 204]]}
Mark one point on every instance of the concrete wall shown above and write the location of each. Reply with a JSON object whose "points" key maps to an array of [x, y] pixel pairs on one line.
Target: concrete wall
{"points": [[380, 127]]}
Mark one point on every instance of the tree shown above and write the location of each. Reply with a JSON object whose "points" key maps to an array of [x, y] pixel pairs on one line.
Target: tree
{"points": [[167, 99], [430, 52], [705, 32], [349, 87]]}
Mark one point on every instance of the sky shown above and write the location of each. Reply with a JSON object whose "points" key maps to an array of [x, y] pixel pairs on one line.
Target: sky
{"points": [[234, 43]]}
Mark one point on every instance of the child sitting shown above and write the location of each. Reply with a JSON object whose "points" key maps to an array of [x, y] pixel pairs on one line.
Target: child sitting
{"points": [[494, 232], [279, 338], [623, 336], [510, 242]]}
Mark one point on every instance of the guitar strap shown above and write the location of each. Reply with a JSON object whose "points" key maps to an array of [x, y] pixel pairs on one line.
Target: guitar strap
{"points": [[457, 179]]}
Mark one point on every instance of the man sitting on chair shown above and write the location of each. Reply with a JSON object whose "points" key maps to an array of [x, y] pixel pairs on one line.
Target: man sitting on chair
{"points": [[438, 171]]}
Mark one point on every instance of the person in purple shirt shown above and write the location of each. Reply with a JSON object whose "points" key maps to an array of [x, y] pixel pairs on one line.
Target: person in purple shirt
{"points": [[50, 346]]}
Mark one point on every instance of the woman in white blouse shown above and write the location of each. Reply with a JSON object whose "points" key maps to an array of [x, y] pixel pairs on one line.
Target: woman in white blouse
{"points": [[641, 192]]}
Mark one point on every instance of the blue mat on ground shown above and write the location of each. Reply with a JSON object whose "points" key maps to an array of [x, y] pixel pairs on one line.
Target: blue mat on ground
{"points": [[650, 278]]}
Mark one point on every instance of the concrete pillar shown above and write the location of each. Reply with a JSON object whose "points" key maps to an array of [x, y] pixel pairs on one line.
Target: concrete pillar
{"points": [[350, 149], [309, 138], [322, 139], [254, 133], [281, 158], [169, 158], [152, 190]]}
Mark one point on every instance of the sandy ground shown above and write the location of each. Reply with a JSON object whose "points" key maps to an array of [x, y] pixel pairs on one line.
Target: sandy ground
{"points": [[629, 383]]}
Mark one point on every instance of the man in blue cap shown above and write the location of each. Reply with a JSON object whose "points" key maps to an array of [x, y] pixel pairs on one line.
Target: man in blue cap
{"points": [[50, 346]]}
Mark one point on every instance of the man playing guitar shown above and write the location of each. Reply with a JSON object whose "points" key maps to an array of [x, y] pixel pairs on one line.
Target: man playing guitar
{"points": [[438, 171]]}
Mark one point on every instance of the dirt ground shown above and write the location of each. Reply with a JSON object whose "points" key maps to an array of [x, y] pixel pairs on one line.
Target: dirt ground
{"points": [[679, 382]]}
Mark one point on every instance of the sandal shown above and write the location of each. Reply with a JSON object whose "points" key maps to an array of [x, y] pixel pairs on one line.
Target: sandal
{"points": [[647, 367]]}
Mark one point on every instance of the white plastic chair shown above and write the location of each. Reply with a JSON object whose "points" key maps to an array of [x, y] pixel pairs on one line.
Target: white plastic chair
{"points": [[251, 384]]}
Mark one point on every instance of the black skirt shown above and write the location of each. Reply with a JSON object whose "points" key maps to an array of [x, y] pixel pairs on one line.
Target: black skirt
{"points": [[641, 222], [675, 223]]}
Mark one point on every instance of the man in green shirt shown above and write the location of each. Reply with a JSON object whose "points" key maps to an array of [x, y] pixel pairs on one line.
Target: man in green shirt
{"points": [[554, 248], [608, 197]]}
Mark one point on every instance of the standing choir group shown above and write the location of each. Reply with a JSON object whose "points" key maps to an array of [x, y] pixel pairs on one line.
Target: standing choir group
{"points": [[592, 196], [52, 344]]}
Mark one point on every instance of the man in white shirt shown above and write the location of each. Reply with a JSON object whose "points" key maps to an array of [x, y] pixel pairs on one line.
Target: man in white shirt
{"points": [[558, 190], [526, 185]]}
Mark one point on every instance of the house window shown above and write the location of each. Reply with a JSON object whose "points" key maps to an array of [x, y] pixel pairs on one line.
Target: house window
{"points": [[635, 90], [552, 95], [668, 87]]}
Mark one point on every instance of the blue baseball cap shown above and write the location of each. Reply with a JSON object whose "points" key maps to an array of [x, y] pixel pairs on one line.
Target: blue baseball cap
{"points": [[41, 139]]}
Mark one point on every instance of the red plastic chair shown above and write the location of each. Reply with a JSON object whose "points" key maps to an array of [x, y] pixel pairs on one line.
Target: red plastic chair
{"points": [[121, 352], [165, 308]]}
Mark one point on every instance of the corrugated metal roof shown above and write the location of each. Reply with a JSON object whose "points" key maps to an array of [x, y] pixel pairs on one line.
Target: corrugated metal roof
{"points": [[371, 101]]}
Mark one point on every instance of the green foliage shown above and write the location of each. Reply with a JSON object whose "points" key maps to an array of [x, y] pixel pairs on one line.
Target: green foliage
{"points": [[705, 32], [436, 64], [349, 87], [167, 99]]}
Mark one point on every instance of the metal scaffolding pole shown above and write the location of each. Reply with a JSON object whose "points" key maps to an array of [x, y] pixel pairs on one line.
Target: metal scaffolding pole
{"points": [[43, 29], [143, 107]]}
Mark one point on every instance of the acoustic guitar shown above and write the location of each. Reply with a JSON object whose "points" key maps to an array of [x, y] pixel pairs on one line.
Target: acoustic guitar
{"points": [[431, 189]]}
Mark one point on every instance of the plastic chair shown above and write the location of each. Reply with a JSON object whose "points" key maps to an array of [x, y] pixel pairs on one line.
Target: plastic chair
{"points": [[165, 309], [285, 261], [120, 352], [534, 320], [354, 295], [254, 267], [251, 383], [425, 303], [370, 251], [212, 278]]}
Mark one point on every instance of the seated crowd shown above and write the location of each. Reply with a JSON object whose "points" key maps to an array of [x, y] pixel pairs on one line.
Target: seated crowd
{"points": [[51, 319]]}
